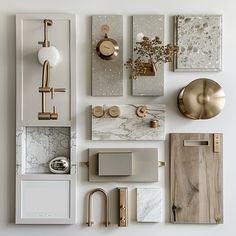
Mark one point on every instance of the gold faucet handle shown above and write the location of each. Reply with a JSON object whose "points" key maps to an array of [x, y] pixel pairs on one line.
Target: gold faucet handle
{"points": [[56, 90]]}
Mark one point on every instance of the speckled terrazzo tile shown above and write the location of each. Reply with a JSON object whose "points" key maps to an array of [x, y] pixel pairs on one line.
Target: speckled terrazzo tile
{"points": [[128, 126], [107, 76], [151, 26], [200, 42]]}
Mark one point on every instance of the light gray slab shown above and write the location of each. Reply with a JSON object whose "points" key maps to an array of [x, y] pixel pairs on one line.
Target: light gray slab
{"points": [[107, 75], [150, 26], [128, 126], [114, 164], [200, 42], [149, 203], [145, 165]]}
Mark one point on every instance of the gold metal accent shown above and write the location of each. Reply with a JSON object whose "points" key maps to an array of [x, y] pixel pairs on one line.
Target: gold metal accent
{"points": [[149, 69], [141, 111], [123, 207], [89, 222], [107, 48], [45, 42], [201, 99], [154, 123], [98, 111], [216, 143], [114, 111], [161, 163], [105, 29]]}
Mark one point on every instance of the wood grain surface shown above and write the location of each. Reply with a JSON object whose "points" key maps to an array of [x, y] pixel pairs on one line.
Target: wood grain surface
{"points": [[196, 179]]}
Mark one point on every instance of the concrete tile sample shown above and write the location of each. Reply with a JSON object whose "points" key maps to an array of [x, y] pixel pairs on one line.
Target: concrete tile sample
{"points": [[149, 203], [150, 26], [128, 126], [107, 75], [200, 42]]}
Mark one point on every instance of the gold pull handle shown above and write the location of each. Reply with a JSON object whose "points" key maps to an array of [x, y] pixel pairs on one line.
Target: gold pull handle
{"points": [[62, 90]]}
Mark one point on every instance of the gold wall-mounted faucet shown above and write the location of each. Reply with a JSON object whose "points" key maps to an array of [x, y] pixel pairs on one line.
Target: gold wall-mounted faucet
{"points": [[90, 222], [44, 115]]}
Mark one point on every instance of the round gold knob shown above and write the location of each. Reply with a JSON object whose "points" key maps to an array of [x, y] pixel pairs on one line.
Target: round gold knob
{"points": [[98, 111], [141, 111], [154, 123], [114, 111]]}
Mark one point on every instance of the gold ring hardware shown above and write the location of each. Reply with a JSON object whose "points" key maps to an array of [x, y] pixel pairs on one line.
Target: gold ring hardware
{"points": [[141, 111], [154, 123], [114, 111], [98, 111]]}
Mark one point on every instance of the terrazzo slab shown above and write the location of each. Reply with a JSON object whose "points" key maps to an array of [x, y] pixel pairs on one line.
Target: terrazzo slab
{"points": [[43, 144], [149, 203], [128, 126], [150, 26], [107, 75], [200, 43]]}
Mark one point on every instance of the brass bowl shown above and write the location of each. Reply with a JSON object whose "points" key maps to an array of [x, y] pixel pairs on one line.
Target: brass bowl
{"points": [[201, 99]]}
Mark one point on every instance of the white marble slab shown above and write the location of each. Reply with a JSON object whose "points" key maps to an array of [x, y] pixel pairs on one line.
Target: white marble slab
{"points": [[43, 144], [128, 126], [149, 201]]}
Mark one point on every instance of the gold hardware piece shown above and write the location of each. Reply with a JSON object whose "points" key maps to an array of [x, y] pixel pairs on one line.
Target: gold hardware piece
{"points": [[98, 111], [45, 42], [154, 123], [161, 163], [107, 48], [201, 99], [216, 143], [89, 222], [141, 111], [123, 207], [114, 111], [149, 69], [105, 29]]}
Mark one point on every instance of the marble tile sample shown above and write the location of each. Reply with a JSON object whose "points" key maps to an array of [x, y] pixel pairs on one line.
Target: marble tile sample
{"points": [[150, 26], [43, 144], [107, 75], [149, 201], [200, 42], [128, 126]]}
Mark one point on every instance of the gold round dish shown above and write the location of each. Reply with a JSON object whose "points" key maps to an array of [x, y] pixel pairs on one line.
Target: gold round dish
{"points": [[107, 49], [201, 99]]}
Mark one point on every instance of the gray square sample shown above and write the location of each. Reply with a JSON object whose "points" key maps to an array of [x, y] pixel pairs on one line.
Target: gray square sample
{"points": [[150, 26], [200, 42], [107, 75], [115, 163]]}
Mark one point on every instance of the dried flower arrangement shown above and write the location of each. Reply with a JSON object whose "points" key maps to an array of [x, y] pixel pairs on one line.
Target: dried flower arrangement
{"points": [[150, 52]]}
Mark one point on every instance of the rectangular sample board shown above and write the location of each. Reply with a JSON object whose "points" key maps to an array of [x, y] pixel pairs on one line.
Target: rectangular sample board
{"points": [[149, 204], [107, 75], [144, 165], [199, 38], [196, 178], [128, 126], [150, 26]]}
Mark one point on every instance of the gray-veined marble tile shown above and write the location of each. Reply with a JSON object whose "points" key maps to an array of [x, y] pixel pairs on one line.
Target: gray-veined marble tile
{"points": [[150, 26], [149, 204], [43, 144], [200, 42], [107, 75], [128, 126]]}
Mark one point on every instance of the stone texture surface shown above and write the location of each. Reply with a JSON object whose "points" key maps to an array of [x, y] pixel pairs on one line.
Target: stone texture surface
{"points": [[150, 26], [149, 203], [128, 126], [199, 41], [43, 144], [107, 76]]}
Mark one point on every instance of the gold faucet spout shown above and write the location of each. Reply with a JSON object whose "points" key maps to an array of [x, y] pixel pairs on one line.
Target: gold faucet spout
{"points": [[89, 222]]}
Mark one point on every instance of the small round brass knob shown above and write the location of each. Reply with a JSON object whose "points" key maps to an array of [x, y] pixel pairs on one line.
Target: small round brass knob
{"points": [[98, 111], [154, 123], [114, 111]]}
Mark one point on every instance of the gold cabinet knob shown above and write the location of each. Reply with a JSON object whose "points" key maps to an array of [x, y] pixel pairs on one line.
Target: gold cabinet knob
{"points": [[114, 111], [154, 123], [98, 111], [141, 111]]}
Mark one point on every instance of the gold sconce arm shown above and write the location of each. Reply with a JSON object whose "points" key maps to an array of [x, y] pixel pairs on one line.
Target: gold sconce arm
{"points": [[89, 222], [45, 42]]}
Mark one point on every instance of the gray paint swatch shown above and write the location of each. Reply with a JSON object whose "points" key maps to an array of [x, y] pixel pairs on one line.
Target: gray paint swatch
{"points": [[107, 75], [150, 26], [200, 43]]}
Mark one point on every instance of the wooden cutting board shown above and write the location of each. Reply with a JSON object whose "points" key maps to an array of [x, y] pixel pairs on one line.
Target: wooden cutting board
{"points": [[196, 178]]}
